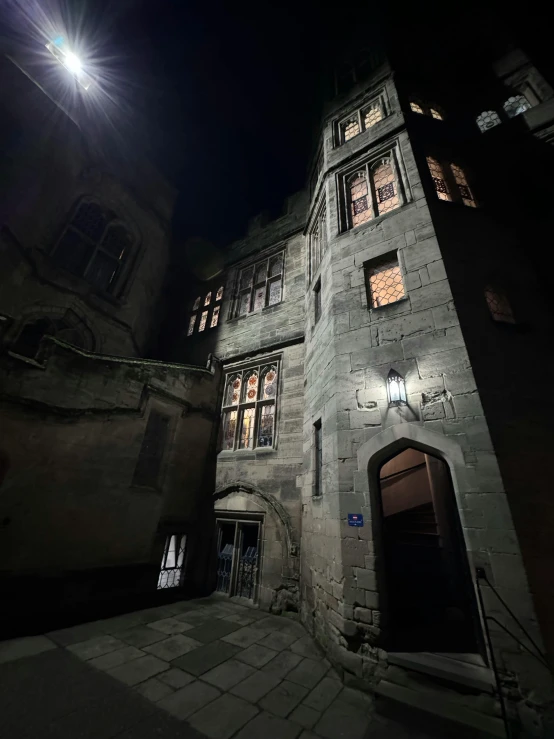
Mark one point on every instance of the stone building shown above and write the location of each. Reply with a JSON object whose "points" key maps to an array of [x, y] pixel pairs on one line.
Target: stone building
{"points": [[349, 424]]}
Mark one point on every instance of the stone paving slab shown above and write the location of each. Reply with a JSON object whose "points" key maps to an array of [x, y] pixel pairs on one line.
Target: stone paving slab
{"points": [[222, 718], [170, 626], [113, 659], [96, 647], [186, 701], [25, 647], [284, 698], [176, 678], [173, 647], [323, 694], [246, 636], [138, 670], [282, 664], [228, 674], [307, 673], [305, 716], [140, 636], [257, 655], [204, 658], [267, 726], [256, 686], [212, 629]]}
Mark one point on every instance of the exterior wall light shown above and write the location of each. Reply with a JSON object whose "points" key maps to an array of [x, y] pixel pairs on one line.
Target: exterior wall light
{"points": [[70, 61], [396, 389]]}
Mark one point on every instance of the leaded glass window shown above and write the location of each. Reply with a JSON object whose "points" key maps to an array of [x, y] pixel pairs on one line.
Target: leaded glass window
{"points": [[430, 109], [361, 120], [173, 562], [438, 179], [372, 115], [372, 191], [317, 240], [249, 402], [385, 285], [498, 304], [260, 285], [416, 108], [437, 115], [210, 316], [350, 128], [488, 119], [463, 188], [95, 246], [515, 105]]}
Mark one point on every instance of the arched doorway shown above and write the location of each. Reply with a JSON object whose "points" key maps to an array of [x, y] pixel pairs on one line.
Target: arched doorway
{"points": [[430, 599]]}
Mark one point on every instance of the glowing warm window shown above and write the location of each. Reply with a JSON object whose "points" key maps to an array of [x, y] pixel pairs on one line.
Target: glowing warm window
{"points": [[516, 104], [359, 199], [438, 178], [215, 317], [196, 303], [260, 285], [499, 305], [372, 115], [219, 294], [385, 188], [463, 187], [249, 407], [203, 319], [207, 299], [385, 284], [416, 108], [192, 321], [350, 128], [173, 560], [436, 114], [487, 119]]}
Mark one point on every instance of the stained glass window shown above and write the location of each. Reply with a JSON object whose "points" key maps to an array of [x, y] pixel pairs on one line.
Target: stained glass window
{"points": [[436, 114], [359, 199], [196, 303], [463, 187], [208, 299], [372, 115], [516, 104], [215, 316], [350, 128], [488, 119], [94, 246], [247, 428], [249, 407], [416, 108], [192, 321], [424, 108], [499, 305], [438, 179], [385, 284], [385, 187], [203, 319], [260, 285], [219, 294]]}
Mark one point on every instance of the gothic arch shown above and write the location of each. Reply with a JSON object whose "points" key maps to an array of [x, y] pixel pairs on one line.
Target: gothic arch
{"points": [[270, 505]]}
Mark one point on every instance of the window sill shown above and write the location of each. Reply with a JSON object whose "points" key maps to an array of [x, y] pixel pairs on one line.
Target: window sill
{"points": [[254, 312], [251, 453], [375, 221], [380, 308]]}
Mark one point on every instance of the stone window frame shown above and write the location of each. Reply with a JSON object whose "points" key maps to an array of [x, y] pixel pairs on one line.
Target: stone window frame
{"points": [[120, 280], [392, 257], [358, 113], [317, 301], [317, 481], [260, 365], [391, 152], [317, 245], [234, 312]]}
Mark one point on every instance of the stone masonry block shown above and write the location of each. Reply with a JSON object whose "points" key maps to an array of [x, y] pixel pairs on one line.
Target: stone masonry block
{"points": [[365, 418], [432, 343], [378, 355], [405, 326], [365, 615], [445, 316], [436, 293], [436, 271], [468, 405], [455, 360], [421, 254], [365, 579]]}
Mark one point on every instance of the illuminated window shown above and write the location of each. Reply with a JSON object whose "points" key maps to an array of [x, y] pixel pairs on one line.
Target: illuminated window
{"points": [[515, 105], [438, 179], [436, 114], [429, 109], [260, 285], [463, 188], [498, 304], [317, 239], [210, 316], [95, 246], [249, 402], [361, 120], [416, 108], [487, 119], [173, 562], [384, 284], [372, 191]]}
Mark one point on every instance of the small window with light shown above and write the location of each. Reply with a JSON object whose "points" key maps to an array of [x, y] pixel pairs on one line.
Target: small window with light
{"points": [[205, 312], [384, 283]]}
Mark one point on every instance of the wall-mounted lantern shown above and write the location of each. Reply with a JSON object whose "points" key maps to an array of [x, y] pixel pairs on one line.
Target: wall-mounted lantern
{"points": [[396, 389]]}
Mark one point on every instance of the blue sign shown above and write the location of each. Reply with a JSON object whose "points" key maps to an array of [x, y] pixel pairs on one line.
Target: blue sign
{"points": [[355, 519]]}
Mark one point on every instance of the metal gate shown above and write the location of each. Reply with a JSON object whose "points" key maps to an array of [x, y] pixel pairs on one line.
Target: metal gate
{"points": [[238, 553]]}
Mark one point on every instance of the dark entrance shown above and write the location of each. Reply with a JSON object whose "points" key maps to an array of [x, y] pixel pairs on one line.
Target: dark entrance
{"points": [[238, 545], [430, 597]]}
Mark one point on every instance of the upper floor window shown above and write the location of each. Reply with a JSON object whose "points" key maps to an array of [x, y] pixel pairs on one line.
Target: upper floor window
{"points": [[372, 191], [515, 105], [498, 304], [317, 240], [260, 285], [317, 170], [488, 119], [95, 246], [450, 182], [249, 402], [384, 283], [433, 110], [362, 119], [208, 316]]}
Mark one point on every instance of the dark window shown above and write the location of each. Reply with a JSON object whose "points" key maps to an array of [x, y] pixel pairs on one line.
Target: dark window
{"points": [[151, 452], [94, 246], [318, 466], [498, 304], [317, 301]]}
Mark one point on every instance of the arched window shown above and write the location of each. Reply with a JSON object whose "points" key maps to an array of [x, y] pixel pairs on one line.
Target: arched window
{"points": [[488, 119], [359, 199], [423, 108], [463, 188], [385, 188], [498, 304], [515, 105], [439, 179], [436, 114], [416, 107], [95, 246], [396, 388]]}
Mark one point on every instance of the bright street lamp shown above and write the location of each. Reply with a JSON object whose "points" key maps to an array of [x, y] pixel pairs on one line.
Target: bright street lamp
{"points": [[70, 61]]}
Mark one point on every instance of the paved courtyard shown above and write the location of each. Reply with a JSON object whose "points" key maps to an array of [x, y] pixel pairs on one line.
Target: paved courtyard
{"points": [[192, 669]]}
